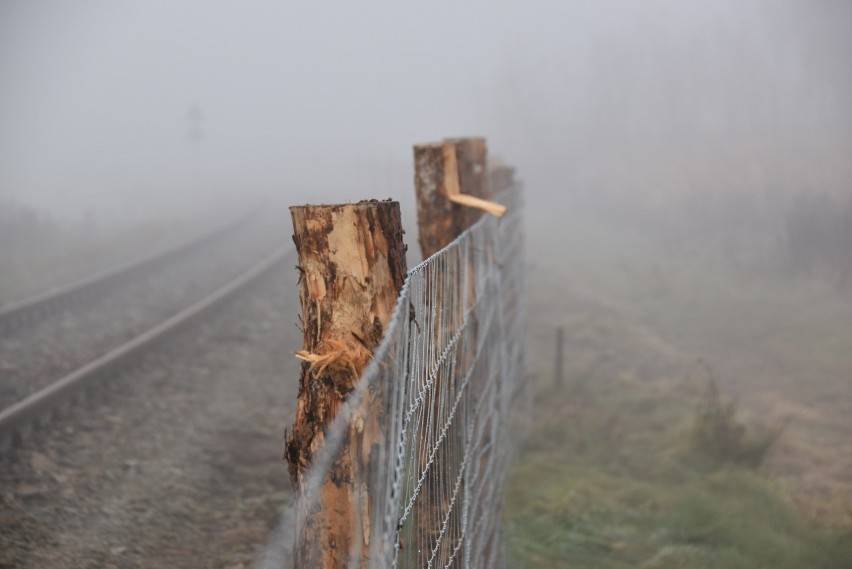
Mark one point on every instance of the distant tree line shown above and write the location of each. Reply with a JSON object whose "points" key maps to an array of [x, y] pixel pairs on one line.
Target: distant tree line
{"points": [[784, 232], [818, 239], [22, 227], [795, 234]]}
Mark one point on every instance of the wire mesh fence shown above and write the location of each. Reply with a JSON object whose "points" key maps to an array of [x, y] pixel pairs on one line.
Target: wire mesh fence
{"points": [[441, 385]]}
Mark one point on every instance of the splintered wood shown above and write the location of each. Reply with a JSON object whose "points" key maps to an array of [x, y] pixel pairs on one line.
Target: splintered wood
{"points": [[351, 269], [451, 182]]}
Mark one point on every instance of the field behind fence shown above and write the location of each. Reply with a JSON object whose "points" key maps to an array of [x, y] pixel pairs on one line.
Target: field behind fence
{"points": [[425, 489]]}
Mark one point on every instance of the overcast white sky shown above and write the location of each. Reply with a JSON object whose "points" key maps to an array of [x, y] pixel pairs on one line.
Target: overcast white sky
{"points": [[323, 100]]}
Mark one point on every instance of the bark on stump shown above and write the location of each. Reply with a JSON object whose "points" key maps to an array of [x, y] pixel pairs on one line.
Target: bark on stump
{"points": [[351, 269]]}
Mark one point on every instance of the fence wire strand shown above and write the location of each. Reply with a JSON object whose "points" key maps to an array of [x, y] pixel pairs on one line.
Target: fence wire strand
{"points": [[446, 374]]}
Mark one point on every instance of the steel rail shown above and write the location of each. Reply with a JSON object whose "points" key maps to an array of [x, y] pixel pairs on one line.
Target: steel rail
{"points": [[14, 314], [21, 416]]}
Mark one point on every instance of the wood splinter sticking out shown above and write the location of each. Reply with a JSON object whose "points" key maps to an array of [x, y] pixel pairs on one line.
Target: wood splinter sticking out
{"points": [[451, 182], [351, 269]]}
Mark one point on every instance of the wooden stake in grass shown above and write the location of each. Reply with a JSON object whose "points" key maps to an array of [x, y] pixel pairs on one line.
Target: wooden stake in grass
{"points": [[558, 373], [352, 267]]}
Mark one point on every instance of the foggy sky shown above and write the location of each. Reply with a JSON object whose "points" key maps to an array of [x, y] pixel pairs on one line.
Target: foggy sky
{"points": [[322, 101]]}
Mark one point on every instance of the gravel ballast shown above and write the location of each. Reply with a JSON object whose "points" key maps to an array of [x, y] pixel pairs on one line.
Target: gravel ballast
{"points": [[39, 353], [178, 463]]}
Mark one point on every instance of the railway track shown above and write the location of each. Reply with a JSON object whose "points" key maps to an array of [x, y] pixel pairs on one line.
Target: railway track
{"points": [[18, 420], [16, 314], [78, 328], [174, 457], [167, 430], [55, 344]]}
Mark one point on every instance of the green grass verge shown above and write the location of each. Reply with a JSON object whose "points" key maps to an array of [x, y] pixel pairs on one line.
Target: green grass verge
{"points": [[610, 475], [608, 479]]}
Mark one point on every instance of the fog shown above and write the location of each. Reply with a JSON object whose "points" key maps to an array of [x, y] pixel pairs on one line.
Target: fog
{"points": [[686, 169], [135, 106], [290, 98]]}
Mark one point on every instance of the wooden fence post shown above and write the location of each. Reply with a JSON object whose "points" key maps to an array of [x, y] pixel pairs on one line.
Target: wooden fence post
{"points": [[351, 269], [501, 177], [558, 371], [444, 171]]}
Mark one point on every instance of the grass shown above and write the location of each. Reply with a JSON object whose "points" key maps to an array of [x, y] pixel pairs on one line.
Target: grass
{"points": [[610, 481], [636, 463], [719, 435]]}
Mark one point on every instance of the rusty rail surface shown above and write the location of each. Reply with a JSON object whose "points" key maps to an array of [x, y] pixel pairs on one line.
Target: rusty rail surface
{"points": [[17, 313], [19, 418]]}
